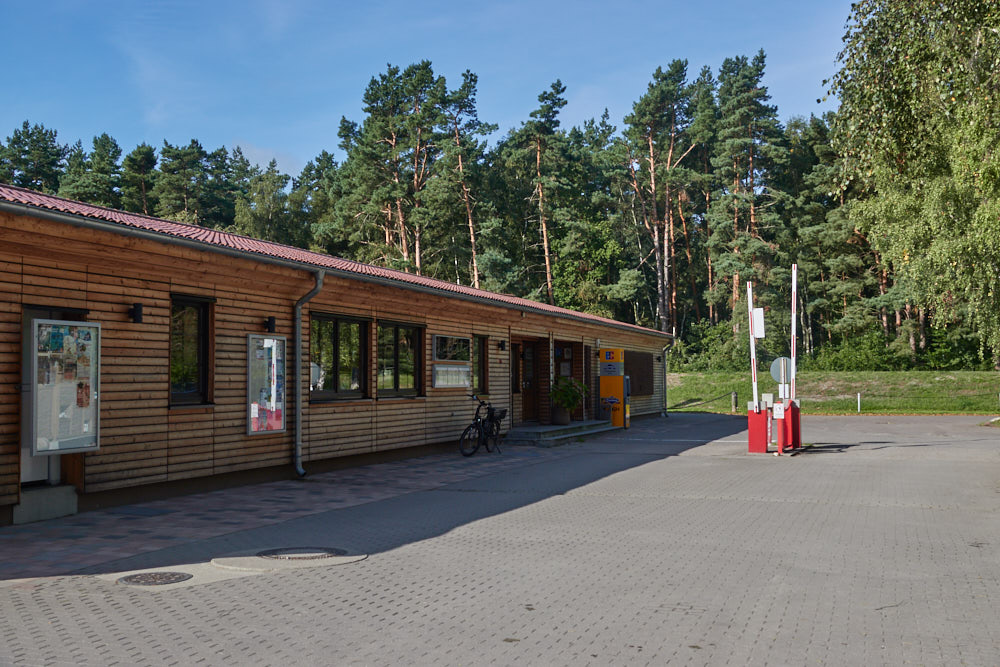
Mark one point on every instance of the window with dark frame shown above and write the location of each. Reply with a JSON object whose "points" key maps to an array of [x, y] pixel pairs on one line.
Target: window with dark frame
{"points": [[399, 356], [338, 358], [480, 364], [639, 368], [190, 350]]}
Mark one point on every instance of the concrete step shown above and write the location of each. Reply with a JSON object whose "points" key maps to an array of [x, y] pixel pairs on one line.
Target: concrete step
{"points": [[553, 435], [41, 503]]}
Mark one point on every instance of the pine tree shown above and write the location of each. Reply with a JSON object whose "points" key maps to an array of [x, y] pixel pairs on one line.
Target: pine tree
{"points": [[657, 147], [138, 174], [263, 211], [94, 178], [390, 160], [34, 159], [314, 193], [742, 218], [181, 182], [462, 152], [538, 150]]}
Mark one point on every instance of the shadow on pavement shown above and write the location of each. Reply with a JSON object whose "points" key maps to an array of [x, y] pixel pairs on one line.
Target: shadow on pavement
{"points": [[394, 503]]}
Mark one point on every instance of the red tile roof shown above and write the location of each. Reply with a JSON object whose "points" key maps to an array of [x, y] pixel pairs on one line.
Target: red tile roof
{"points": [[214, 239]]}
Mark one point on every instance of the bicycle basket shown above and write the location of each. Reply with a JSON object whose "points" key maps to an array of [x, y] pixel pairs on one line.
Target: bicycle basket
{"points": [[495, 415]]}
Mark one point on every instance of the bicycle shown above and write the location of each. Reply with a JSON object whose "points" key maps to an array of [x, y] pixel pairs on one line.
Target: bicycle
{"points": [[484, 430]]}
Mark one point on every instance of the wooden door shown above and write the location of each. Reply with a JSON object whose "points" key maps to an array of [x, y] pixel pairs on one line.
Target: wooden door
{"points": [[529, 381]]}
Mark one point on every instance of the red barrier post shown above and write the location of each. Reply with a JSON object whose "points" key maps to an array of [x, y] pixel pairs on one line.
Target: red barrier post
{"points": [[757, 429], [795, 430]]}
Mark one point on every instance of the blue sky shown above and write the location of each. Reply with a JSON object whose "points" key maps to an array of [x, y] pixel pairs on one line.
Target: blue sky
{"points": [[275, 77]]}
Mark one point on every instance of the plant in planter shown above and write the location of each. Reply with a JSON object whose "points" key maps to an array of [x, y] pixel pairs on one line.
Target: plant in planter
{"points": [[566, 396]]}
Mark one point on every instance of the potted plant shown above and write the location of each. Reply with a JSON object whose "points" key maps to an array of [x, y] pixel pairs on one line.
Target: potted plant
{"points": [[566, 395]]}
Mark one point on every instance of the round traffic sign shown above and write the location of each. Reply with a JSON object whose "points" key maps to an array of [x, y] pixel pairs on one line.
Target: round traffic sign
{"points": [[781, 366]]}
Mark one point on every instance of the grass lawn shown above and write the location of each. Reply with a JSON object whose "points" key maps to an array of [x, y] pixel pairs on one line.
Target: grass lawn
{"points": [[825, 392]]}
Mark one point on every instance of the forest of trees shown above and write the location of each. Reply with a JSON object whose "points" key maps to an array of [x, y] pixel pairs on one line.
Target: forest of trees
{"points": [[658, 222]]}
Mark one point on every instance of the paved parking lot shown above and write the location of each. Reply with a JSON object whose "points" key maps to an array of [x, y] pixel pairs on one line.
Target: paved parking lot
{"points": [[665, 544]]}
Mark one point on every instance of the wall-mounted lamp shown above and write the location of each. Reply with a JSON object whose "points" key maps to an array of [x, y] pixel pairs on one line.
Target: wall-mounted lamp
{"points": [[502, 345], [658, 359], [135, 312], [270, 325]]}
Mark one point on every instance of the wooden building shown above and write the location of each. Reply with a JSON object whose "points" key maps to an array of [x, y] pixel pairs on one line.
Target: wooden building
{"points": [[136, 351]]}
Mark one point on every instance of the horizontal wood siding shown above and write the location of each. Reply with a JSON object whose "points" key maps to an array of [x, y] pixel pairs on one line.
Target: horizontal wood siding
{"points": [[144, 440], [10, 377]]}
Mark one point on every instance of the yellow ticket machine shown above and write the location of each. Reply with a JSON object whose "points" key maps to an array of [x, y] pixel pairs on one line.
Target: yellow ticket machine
{"points": [[614, 386]]}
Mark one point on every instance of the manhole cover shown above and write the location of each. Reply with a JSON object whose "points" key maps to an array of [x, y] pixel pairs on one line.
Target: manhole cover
{"points": [[302, 553], [155, 578]]}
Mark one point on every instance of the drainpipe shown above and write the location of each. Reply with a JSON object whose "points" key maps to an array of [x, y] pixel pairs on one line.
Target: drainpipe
{"points": [[666, 375], [298, 371]]}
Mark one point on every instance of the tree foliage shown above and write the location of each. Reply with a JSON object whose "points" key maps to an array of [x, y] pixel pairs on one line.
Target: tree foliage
{"points": [[889, 207], [919, 88]]}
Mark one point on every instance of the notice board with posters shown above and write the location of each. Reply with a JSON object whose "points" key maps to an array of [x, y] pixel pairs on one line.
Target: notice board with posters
{"points": [[65, 376], [265, 384]]}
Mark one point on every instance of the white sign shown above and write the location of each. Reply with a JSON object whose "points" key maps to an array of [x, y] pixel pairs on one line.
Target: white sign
{"points": [[758, 322], [778, 411]]}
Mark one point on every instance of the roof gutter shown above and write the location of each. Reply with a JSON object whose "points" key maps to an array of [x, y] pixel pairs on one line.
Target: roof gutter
{"points": [[300, 471], [159, 237]]}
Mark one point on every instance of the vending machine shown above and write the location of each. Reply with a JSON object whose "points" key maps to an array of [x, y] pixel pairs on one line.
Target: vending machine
{"points": [[614, 386]]}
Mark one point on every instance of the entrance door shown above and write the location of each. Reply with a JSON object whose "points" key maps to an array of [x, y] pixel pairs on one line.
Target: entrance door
{"points": [[529, 381]]}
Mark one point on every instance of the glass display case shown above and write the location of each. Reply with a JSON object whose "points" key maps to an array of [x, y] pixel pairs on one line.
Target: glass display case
{"points": [[65, 377], [265, 384]]}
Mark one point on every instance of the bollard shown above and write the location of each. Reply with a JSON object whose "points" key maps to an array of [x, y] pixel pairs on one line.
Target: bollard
{"points": [[779, 427], [733, 397], [859, 402]]}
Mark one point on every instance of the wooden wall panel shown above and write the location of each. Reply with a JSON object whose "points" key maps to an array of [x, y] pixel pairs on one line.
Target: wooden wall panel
{"points": [[143, 440], [10, 378]]}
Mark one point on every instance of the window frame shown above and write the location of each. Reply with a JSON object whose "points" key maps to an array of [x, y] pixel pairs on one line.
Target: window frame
{"points": [[364, 336], [418, 360], [206, 351]]}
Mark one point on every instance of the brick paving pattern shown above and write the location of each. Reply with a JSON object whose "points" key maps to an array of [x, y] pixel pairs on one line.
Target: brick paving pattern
{"points": [[666, 544]]}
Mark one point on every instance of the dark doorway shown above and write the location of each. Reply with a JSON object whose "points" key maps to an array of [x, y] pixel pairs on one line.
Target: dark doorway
{"points": [[529, 381]]}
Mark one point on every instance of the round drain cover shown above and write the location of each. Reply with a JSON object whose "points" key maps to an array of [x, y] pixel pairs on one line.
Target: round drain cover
{"points": [[301, 553], [155, 578]]}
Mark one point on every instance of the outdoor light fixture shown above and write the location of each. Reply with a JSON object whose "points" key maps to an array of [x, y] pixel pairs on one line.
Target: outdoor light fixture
{"points": [[659, 359], [502, 345], [270, 325], [135, 312]]}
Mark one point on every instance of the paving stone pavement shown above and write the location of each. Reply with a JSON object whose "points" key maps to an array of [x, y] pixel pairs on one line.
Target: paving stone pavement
{"points": [[664, 544]]}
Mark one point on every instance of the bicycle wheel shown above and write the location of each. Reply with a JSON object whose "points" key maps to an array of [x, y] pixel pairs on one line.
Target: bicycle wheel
{"points": [[469, 442], [493, 438]]}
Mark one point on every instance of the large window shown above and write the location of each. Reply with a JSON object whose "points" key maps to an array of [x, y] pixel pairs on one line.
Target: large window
{"points": [[338, 367], [399, 356], [190, 351]]}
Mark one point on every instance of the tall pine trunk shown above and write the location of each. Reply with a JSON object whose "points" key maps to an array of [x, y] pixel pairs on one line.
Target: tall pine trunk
{"points": [[467, 198], [543, 222], [690, 261]]}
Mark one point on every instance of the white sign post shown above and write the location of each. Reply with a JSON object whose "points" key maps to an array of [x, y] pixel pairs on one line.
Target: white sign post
{"points": [[795, 298], [756, 316]]}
